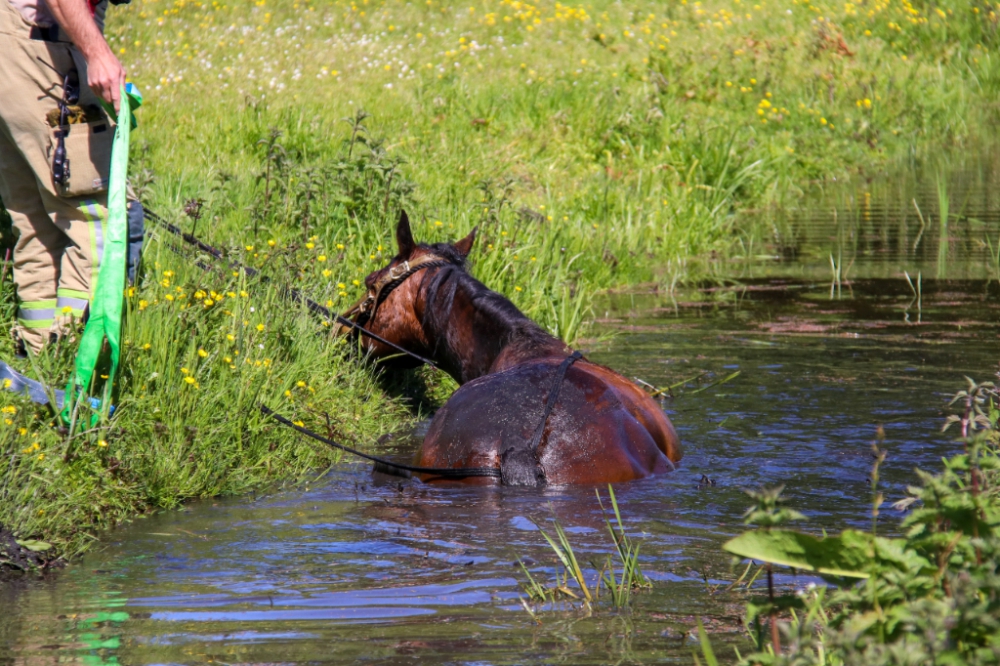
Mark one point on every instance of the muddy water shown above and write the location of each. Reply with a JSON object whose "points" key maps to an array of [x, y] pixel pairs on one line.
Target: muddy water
{"points": [[349, 567]]}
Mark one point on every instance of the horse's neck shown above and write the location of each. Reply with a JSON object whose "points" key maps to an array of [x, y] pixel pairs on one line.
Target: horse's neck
{"points": [[477, 338]]}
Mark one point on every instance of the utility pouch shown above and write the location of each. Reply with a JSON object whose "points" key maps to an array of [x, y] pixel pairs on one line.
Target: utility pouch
{"points": [[80, 155], [80, 151]]}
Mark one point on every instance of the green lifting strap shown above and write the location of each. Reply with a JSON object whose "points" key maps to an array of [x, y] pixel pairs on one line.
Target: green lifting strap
{"points": [[105, 319]]}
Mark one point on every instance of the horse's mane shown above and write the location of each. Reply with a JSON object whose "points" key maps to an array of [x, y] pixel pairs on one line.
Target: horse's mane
{"points": [[507, 322]]}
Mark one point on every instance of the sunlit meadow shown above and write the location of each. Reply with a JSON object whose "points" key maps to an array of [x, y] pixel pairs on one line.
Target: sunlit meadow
{"points": [[596, 145]]}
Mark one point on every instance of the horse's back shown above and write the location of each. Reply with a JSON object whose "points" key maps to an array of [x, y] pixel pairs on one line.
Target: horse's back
{"points": [[602, 428]]}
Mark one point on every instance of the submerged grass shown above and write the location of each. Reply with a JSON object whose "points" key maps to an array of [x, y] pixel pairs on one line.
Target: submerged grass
{"points": [[595, 145], [618, 586]]}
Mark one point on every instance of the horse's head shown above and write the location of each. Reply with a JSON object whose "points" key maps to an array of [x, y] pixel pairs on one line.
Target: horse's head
{"points": [[392, 309]]}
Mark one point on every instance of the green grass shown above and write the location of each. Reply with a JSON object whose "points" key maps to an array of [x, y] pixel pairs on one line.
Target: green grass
{"points": [[595, 145], [602, 144], [187, 423]]}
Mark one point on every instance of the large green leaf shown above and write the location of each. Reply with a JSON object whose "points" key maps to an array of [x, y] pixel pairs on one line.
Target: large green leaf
{"points": [[33, 545], [834, 556]]}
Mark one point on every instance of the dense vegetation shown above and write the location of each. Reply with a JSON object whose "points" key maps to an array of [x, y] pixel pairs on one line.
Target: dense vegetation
{"points": [[929, 597], [597, 145]]}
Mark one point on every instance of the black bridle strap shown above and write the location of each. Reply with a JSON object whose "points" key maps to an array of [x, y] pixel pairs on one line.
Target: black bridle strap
{"points": [[384, 465], [383, 290], [550, 402], [294, 294]]}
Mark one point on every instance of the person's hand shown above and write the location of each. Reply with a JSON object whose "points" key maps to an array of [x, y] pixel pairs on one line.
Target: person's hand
{"points": [[106, 76]]}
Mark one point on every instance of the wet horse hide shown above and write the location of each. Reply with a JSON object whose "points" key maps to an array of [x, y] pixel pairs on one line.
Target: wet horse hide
{"points": [[527, 405]]}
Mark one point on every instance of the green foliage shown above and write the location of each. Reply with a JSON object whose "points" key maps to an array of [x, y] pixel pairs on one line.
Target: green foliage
{"points": [[766, 513], [845, 555], [200, 350], [932, 596]]}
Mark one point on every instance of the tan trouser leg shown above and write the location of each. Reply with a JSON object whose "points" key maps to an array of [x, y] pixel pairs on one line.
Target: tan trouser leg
{"points": [[59, 239], [38, 250]]}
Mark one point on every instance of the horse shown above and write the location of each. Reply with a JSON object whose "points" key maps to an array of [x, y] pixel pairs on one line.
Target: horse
{"points": [[528, 410]]}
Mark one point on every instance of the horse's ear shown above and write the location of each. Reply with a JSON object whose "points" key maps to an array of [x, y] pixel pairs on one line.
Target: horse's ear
{"points": [[464, 246], [404, 237]]}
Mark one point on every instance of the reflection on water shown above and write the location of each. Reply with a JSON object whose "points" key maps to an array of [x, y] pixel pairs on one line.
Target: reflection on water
{"points": [[939, 219], [355, 568]]}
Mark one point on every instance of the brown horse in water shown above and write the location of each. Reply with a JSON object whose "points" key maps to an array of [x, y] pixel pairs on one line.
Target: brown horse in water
{"points": [[525, 406]]}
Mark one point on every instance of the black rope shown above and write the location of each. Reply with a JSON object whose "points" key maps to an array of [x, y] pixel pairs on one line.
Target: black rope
{"points": [[383, 465], [294, 294]]}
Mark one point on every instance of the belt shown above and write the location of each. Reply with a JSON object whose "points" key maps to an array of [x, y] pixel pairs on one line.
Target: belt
{"points": [[49, 34]]}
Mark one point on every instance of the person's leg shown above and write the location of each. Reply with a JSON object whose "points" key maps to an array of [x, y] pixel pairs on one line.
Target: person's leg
{"points": [[82, 221], [38, 249]]}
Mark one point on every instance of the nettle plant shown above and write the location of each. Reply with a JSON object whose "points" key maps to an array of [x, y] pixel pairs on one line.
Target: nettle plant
{"points": [[930, 596]]}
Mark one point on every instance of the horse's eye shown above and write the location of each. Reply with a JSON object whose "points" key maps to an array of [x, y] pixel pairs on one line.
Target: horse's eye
{"points": [[370, 280]]}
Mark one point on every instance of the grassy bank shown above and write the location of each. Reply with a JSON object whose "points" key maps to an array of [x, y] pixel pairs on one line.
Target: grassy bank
{"points": [[597, 145]]}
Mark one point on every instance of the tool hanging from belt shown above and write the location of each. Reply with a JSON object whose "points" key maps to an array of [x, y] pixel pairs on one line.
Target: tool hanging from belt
{"points": [[71, 96]]}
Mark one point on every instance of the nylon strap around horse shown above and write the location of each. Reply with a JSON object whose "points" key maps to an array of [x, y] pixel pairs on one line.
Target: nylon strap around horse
{"points": [[550, 402]]}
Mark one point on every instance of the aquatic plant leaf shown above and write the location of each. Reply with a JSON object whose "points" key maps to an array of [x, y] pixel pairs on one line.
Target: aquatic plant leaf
{"points": [[831, 556], [34, 545]]}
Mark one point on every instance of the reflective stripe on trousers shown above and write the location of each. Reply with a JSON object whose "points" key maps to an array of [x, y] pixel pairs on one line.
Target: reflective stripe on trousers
{"points": [[92, 212], [36, 314], [71, 302]]}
